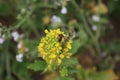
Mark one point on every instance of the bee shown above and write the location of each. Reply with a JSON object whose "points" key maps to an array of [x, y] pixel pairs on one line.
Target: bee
{"points": [[60, 37], [62, 40]]}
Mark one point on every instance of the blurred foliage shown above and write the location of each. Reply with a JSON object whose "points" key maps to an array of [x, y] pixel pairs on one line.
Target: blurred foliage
{"points": [[93, 26], [37, 65]]}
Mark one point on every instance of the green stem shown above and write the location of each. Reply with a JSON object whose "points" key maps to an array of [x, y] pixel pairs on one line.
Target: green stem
{"points": [[75, 9], [95, 41], [7, 62], [23, 20], [98, 32], [20, 23], [8, 66], [87, 27], [99, 29], [45, 6], [97, 35], [81, 18]]}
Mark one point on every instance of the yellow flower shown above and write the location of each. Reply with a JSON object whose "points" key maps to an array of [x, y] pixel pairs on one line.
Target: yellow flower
{"points": [[69, 45], [52, 50], [46, 31], [61, 56], [59, 61], [52, 56]]}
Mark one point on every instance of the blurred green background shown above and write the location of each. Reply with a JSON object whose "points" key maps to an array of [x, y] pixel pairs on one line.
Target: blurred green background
{"points": [[92, 24]]}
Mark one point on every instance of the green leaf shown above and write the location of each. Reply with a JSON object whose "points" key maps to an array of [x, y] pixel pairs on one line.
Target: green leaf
{"points": [[83, 36], [78, 43], [37, 66], [32, 45], [75, 46]]}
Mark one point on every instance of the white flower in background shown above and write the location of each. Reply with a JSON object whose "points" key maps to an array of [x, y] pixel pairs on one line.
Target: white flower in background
{"points": [[96, 18], [19, 57], [15, 35], [19, 45], [2, 40], [64, 10], [94, 27], [56, 19]]}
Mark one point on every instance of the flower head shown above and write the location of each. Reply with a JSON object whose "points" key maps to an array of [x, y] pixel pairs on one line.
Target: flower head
{"points": [[94, 27], [1, 40], [19, 57], [64, 10], [56, 19], [54, 47], [96, 18], [15, 35]]}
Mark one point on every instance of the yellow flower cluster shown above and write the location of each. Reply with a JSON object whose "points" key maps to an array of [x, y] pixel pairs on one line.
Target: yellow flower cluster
{"points": [[54, 47]]}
